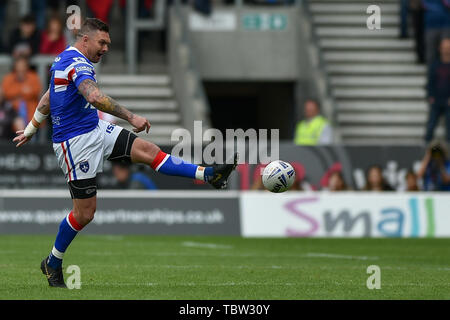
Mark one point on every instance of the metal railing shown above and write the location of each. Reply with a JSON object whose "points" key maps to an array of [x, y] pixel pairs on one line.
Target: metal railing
{"points": [[134, 24]]}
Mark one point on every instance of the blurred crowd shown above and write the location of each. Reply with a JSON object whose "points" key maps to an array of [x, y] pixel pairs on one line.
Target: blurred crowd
{"points": [[432, 175]]}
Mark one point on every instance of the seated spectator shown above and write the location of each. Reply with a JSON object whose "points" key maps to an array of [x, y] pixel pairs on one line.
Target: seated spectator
{"points": [[10, 122], [336, 182], [24, 41], [437, 26], [126, 179], [22, 88], [438, 91], [435, 169], [315, 128], [53, 41], [411, 181], [375, 180]]}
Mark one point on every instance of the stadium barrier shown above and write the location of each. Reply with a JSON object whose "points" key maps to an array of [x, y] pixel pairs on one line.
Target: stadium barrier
{"points": [[249, 213], [35, 166]]}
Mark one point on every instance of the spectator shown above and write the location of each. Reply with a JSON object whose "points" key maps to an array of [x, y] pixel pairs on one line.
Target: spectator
{"points": [[203, 6], [375, 180], [24, 41], [438, 91], [411, 181], [22, 88], [437, 26], [126, 179], [336, 182], [417, 11], [3, 7], [10, 122], [435, 169], [314, 129], [404, 7], [53, 41]]}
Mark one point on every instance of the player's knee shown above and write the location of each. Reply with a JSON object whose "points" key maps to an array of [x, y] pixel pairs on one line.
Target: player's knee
{"points": [[150, 150], [86, 214]]}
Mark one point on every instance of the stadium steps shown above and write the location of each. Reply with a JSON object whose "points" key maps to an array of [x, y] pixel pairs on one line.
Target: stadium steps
{"points": [[377, 86], [150, 96]]}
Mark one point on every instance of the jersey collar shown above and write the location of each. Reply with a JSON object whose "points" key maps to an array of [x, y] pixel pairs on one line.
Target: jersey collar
{"points": [[73, 48]]}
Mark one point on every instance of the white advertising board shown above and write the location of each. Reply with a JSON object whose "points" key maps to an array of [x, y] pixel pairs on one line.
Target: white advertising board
{"points": [[349, 214]]}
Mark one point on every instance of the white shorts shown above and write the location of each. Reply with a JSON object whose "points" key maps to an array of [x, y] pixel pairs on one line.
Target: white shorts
{"points": [[82, 157]]}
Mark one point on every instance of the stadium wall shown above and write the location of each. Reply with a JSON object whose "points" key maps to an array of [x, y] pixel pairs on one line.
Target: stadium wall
{"points": [[35, 166], [249, 214]]}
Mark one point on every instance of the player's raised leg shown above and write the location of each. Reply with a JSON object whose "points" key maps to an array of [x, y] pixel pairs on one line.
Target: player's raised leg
{"points": [[148, 153]]}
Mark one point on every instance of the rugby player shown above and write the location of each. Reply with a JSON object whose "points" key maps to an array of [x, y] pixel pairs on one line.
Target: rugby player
{"points": [[81, 141]]}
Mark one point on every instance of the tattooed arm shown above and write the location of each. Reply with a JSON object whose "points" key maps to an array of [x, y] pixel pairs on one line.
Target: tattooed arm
{"points": [[91, 92], [41, 113]]}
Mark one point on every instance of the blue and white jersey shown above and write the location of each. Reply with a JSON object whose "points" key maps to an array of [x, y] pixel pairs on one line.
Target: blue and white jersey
{"points": [[71, 114]]}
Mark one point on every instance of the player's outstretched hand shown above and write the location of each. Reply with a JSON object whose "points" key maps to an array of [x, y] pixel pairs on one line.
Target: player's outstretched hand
{"points": [[140, 124], [21, 139]]}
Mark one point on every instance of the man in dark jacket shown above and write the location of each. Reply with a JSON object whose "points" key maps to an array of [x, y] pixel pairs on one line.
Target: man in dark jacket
{"points": [[24, 41], [438, 91]]}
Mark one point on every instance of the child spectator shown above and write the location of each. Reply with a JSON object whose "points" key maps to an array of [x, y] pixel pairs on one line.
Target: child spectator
{"points": [[336, 182], [375, 180], [10, 122], [411, 181]]}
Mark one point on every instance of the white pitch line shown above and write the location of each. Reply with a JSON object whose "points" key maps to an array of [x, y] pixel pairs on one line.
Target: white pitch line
{"points": [[338, 256], [205, 245]]}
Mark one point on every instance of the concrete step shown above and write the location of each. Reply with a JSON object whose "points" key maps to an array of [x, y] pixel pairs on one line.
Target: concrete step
{"points": [[364, 44], [148, 104], [349, 8], [386, 131], [137, 92], [412, 81], [353, 20], [377, 141], [382, 118], [137, 80], [157, 117], [357, 32], [418, 106], [379, 93], [158, 129], [374, 68], [368, 2], [370, 56]]}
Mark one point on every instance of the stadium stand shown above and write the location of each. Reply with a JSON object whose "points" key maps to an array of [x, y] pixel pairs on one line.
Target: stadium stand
{"points": [[378, 88]]}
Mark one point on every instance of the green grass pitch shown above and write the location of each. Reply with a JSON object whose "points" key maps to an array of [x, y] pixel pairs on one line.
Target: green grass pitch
{"points": [[227, 268]]}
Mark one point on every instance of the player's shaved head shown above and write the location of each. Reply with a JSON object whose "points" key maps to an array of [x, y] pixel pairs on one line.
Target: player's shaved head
{"points": [[92, 24]]}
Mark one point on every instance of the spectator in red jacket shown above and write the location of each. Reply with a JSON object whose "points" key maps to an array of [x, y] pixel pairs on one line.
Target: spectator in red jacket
{"points": [[53, 40]]}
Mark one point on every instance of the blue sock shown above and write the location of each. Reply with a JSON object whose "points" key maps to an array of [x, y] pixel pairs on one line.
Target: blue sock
{"points": [[173, 166], [68, 229]]}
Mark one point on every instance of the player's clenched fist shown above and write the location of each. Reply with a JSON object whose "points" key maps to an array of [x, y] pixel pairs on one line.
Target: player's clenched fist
{"points": [[139, 123]]}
